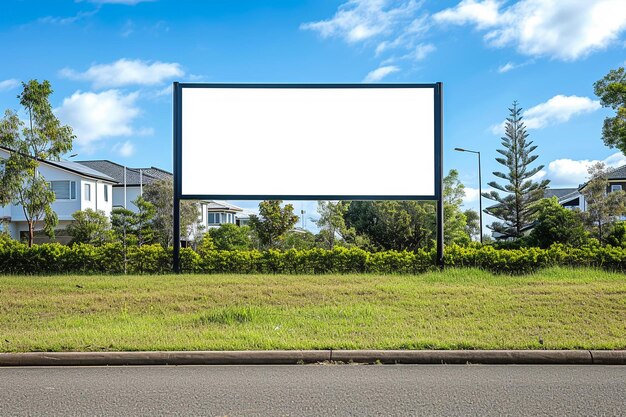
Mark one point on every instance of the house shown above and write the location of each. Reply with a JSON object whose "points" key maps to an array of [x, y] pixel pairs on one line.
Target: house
{"points": [[129, 182], [221, 212], [76, 187]]}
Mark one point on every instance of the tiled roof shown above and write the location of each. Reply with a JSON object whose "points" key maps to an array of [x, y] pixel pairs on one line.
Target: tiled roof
{"points": [[156, 173], [116, 171], [618, 173], [560, 193]]}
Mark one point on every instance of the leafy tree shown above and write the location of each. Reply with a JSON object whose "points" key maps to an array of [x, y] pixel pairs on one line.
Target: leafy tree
{"points": [[161, 195], [298, 240], [393, 225], [272, 222], [143, 229], [455, 221], [617, 236], [90, 226], [557, 224], [41, 137], [332, 222], [517, 209], [612, 93], [409, 225], [231, 237], [472, 226], [603, 208]]}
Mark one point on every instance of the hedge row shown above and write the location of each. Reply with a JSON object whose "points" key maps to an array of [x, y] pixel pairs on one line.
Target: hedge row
{"points": [[17, 258]]}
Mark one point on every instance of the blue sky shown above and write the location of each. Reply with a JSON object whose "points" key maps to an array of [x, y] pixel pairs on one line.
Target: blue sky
{"points": [[111, 64]]}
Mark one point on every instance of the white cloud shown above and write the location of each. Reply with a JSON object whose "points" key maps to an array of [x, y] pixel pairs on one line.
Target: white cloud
{"points": [[97, 116], [124, 149], [482, 13], [571, 172], [507, 67], [126, 72], [386, 25], [471, 195], [358, 20], [558, 109], [8, 84], [422, 50], [380, 73], [566, 30]]}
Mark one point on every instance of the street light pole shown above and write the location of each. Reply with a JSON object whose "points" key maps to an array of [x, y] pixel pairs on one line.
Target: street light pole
{"points": [[480, 191]]}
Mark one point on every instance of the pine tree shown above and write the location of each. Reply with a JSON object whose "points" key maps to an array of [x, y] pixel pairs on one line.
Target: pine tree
{"points": [[517, 208]]}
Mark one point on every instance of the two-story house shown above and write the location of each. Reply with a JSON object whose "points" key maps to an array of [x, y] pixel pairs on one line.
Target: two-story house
{"points": [[130, 182], [75, 186]]}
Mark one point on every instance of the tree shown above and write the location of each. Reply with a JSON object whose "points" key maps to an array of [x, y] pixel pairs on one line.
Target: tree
{"points": [[124, 225], [557, 224], [617, 236], [42, 137], [612, 93], [90, 226], [273, 221], [517, 209], [332, 222], [603, 208], [231, 237], [409, 225], [144, 217], [472, 225], [298, 240], [161, 195], [455, 222]]}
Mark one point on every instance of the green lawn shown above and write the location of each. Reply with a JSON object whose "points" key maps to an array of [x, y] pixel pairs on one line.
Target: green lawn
{"points": [[466, 309]]}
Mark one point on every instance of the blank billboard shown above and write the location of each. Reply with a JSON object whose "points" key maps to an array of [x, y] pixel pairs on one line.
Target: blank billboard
{"points": [[292, 141]]}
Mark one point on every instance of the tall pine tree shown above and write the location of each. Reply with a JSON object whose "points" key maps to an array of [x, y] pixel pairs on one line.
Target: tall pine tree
{"points": [[517, 208]]}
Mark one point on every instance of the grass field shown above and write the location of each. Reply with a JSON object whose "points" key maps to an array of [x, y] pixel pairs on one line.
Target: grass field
{"points": [[466, 309]]}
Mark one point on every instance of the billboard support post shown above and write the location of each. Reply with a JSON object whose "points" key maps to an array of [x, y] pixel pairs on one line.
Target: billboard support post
{"points": [[439, 171], [177, 179], [198, 127]]}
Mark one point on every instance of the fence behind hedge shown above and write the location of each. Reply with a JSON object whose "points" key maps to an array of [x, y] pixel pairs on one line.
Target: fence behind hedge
{"points": [[17, 258]]}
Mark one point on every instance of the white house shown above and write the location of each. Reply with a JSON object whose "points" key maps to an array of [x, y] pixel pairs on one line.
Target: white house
{"points": [[76, 187], [130, 182]]}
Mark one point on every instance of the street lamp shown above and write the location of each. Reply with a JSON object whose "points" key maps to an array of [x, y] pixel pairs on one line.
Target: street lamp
{"points": [[480, 191]]}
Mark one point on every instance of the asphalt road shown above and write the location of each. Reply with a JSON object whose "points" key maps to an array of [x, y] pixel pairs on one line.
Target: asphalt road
{"points": [[314, 390]]}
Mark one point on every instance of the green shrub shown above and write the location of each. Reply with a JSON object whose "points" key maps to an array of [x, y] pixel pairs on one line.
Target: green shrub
{"points": [[53, 258]]}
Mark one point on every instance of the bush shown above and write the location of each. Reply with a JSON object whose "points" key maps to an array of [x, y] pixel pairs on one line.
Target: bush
{"points": [[53, 258]]}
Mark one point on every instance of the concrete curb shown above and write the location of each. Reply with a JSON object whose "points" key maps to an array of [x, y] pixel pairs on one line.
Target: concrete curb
{"points": [[292, 357]]}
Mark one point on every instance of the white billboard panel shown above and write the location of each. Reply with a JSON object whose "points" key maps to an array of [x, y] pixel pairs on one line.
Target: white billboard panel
{"points": [[318, 142]]}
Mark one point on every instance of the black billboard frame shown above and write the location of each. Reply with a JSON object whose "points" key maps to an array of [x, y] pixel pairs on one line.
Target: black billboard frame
{"points": [[177, 143]]}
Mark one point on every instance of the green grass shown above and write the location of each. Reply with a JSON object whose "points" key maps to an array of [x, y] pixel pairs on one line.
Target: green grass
{"points": [[457, 309]]}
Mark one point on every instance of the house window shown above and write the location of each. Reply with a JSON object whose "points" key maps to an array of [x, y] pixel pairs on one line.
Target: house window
{"points": [[617, 187], [87, 192], [213, 218], [106, 193], [64, 190]]}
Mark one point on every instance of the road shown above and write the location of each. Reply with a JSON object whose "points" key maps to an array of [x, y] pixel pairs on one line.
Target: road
{"points": [[314, 390]]}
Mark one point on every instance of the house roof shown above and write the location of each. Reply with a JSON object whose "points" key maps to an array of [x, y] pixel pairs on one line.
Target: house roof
{"points": [[618, 173], [74, 167], [116, 171], [222, 205], [156, 173]]}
